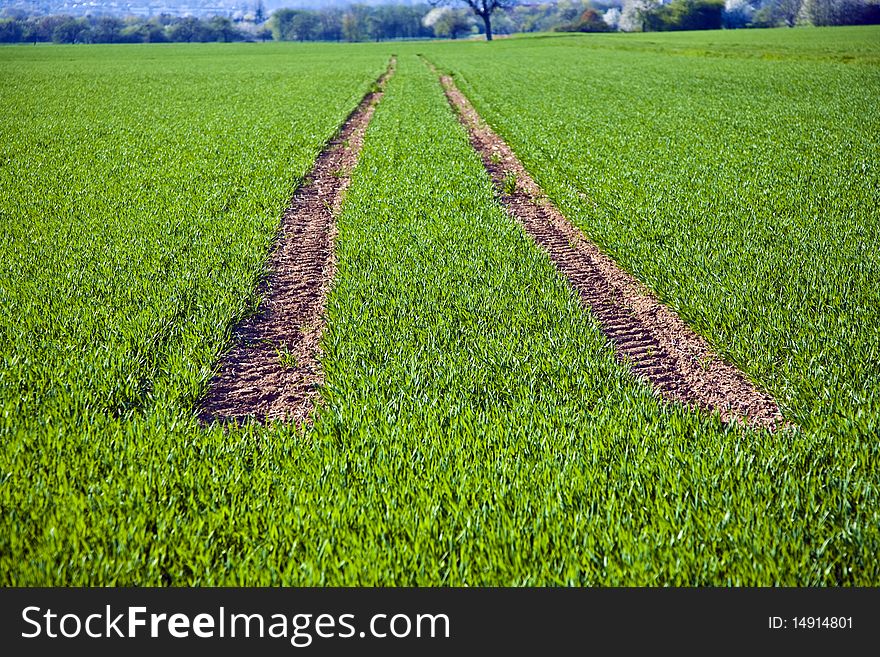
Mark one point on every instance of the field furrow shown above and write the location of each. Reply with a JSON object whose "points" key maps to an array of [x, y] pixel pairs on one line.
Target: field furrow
{"points": [[272, 370], [138, 210], [646, 335]]}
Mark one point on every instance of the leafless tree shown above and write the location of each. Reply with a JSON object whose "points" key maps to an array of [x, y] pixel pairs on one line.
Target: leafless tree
{"points": [[481, 8]]}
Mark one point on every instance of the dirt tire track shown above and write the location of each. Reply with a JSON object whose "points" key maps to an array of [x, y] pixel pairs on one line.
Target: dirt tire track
{"points": [[652, 339], [272, 371]]}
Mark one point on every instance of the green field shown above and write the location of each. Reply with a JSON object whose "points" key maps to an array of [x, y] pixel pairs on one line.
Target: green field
{"points": [[475, 427]]}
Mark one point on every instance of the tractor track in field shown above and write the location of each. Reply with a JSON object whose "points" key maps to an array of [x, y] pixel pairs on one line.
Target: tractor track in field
{"points": [[272, 371], [648, 336]]}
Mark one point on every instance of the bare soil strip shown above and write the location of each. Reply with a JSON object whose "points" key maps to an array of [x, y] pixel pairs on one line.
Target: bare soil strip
{"points": [[648, 336], [272, 370]]}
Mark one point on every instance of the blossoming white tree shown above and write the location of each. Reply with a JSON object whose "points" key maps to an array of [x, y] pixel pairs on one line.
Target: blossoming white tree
{"points": [[632, 18]]}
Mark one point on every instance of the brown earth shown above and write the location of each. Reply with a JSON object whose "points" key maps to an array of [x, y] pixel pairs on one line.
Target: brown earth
{"points": [[648, 336], [272, 370]]}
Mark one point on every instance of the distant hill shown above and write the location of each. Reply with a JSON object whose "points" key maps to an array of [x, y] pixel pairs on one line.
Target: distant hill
{"points": [[174, 7]]}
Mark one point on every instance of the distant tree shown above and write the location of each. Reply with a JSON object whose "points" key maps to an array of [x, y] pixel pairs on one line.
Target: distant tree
{"points": [[260, 13], [737, 13], [775, 13], [133, 33], [482, 9], [29, 32], [182, 31], [612, 18], [107, 29], [223, 30], [71, 30], [395, 21], [356, 23], [635, 16], [164, 19], [306, 26], [11, 31], [870, 14], [839, 12], [688, 15], [788, 11], [567, 11], [331, 25], [818, 12], [527, 20], [40, 29], [763, 16], [589, 21], [139, 31], [383, 22], [410, 24], [279, 23], [447, 22]]}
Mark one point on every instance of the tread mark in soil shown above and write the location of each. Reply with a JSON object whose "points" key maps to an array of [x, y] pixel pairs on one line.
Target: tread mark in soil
{"points": [[272, 371], [652, 339]]}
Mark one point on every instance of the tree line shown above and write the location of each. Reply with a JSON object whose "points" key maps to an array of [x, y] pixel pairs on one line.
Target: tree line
{"points": [[357, 22], [660, 15], [460, 18], [111, 29]]}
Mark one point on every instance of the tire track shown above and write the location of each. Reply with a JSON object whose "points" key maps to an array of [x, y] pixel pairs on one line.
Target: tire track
{"points": [[649, 337], [272, 371]]}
